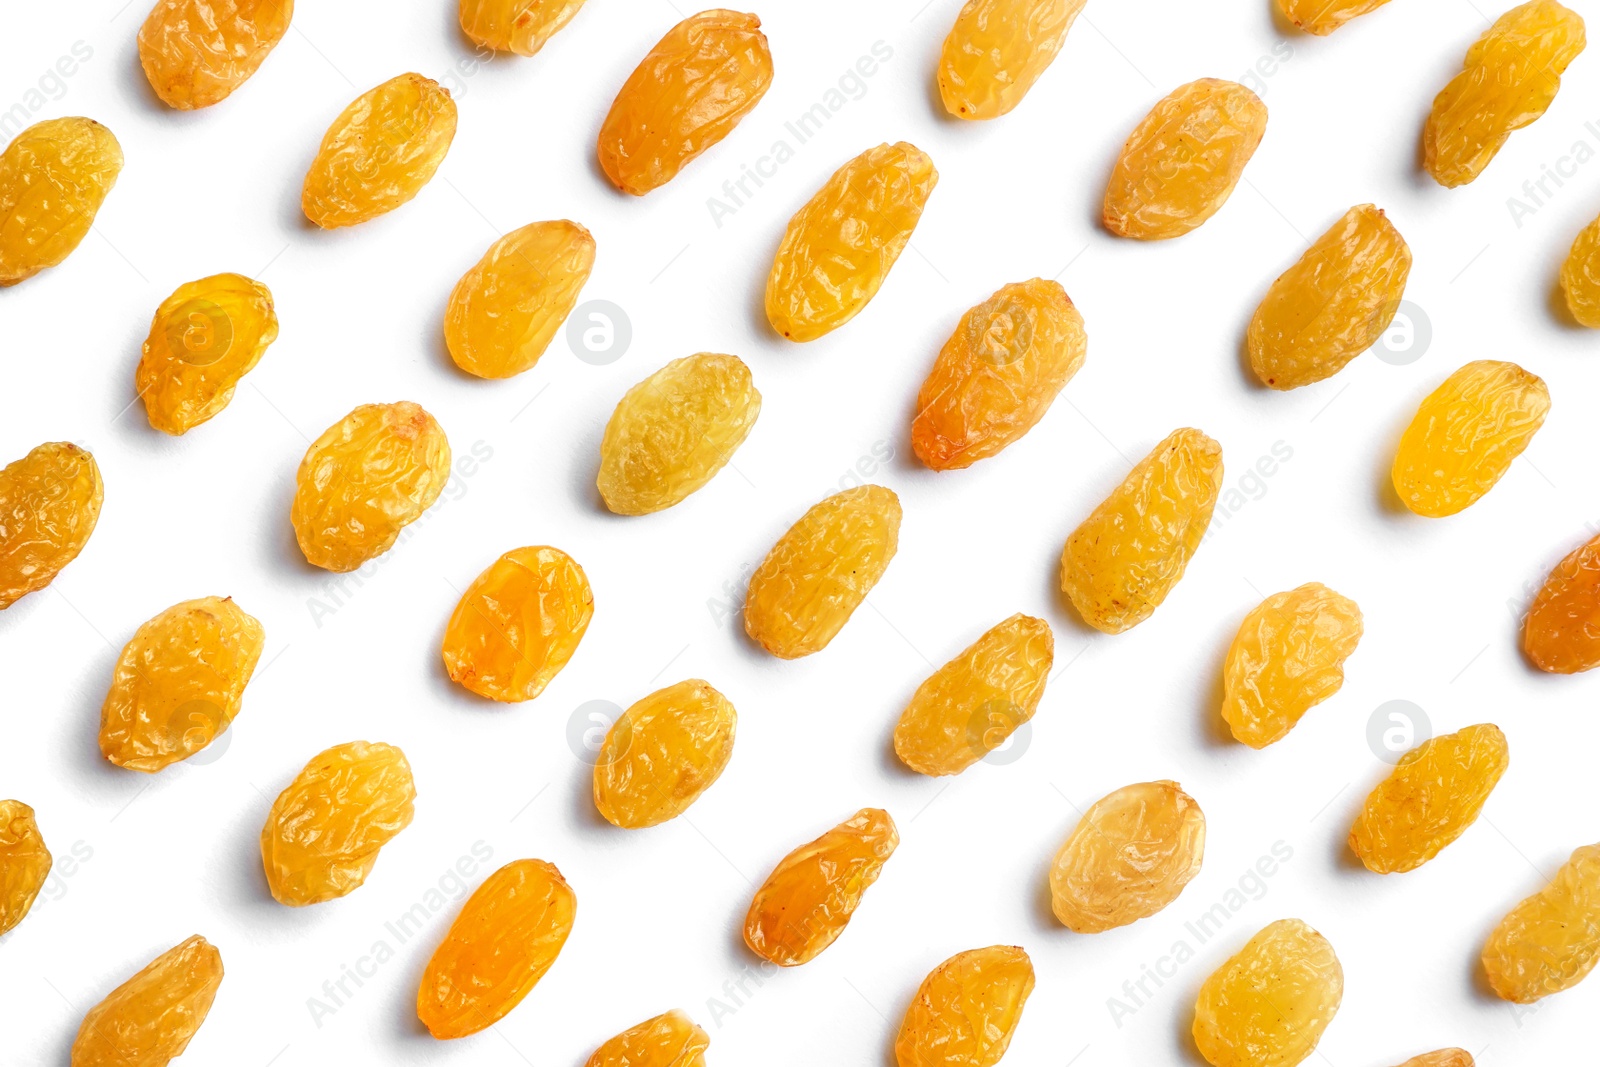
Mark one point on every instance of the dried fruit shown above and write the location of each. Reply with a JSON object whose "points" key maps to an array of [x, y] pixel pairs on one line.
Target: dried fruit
{"points": [[838, 249], [689, 93], [205, 337], [1121, 563], [506, 937], [1183, 159], [53, 179], [178, 683], [1270, 1003], [369, 476], [669, 1040], [1562, 631], [24, 862], [1465, 435], [966, 1010], [808, 899], [1509, 78], [1129, 856], [1332, 304], [197, 52], [1580, 276], [323, 833], [148, 1020], [1445, 1057], [1287, 658], [662, 753], [520, 26], [1430, 798], [49, 504], [1322, 17], [998, 374], [1551, 940], [379, 152], [518, 624], [821, 570], [972, 705], [674, 431], [996, 51]]}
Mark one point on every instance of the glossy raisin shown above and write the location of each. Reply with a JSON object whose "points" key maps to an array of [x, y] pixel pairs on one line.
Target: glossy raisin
{"points": [[1445, 1057], [668, 1040], [1287, 658], [1269, 1005], [1580, 276], [966, 1010], [520, 26], [205, 337], [662, 753], [53, 179], [149, 1020], [1130, 855], [49, 505], [1551, 940], [197, 52], [24, 862], [1561, 633], [997, 49], [1322, 17]]}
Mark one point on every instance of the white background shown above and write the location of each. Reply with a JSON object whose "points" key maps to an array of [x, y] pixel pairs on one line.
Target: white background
{"points": [[159, 858]]}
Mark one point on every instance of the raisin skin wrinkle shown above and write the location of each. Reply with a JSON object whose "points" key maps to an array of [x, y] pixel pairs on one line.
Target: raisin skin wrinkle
{"points": [[49, 505], [668, 1040], [1580, 276], [149, 1020], [663, 753], [997, 49], [1322, 17], [1551, 940], [1269, 1005], [1445, 1057], [966, 1010], [24, 862], [520, 26], [53, 179], [203, 339], [1562, 631], [1287, 658], [197, 52]]}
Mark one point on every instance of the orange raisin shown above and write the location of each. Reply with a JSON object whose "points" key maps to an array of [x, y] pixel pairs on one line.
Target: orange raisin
{"points": [[518, 624], [1561, 633], [1322, 17], [997, 49], [1287, 658], [1130, 855], [149, 1020], [520, 26], [1550, 941], [966, 1010], [668, 1040], [662, 753], [197, 52], [49, 505], [205, 337], [24, 862], [53, 179], [1269, 1005]]}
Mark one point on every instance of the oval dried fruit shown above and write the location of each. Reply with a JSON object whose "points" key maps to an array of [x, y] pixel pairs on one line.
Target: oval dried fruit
{"points": [[149, 1020], [662, 753], [53, 179], [49, 505], [1269, 1005], [1287, 658], [1580, 276], [1322, 17], [1562, 631], [966, 1010], [204, 337], [520, 26], [997, 49], [839, 248], [1551, 940], [668, 1040], [1445, 1057], [197, 52], [24, 862], [506, 937]]}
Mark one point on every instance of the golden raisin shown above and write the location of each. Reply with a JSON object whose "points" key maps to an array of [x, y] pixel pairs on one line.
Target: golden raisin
{"points": [[205, 337], [966, 1010], [662, 753], [1580, 276], [1287, 658], [1332, 304], [24, 862], [148, 1020], [998, 374], [504, 312], [1130, 855], [53, 179], [1183, 159], [973, 704], [369, 476], [668, 1040], [1465, 435], [1445, 1057], [689, 93], [839, 248], [1562, 631], [1430, 798], [1270, 1003], [49, 505], [996, 51], [178, 683], [322, 836], [1509, 78], [379, 152], [520, 26], [1322, 17], [506, 937], [1120, 564], [1551, 940], [819, 572], [197, 52]]}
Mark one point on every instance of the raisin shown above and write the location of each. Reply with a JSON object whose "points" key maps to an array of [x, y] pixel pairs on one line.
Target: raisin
{"points": [[674, 431], [662, 753], [809, 898], [148, 1020], [689, 93], [1509, 78], [1430, 798], [996, 51], [966, 1010], [1445, 1057], [819, 572], [520, 26], [53, 179], [998, 374], [205, 337], [379, 152], [1322, 17], [1129, 856], [1551, 940], [1287, 658], [1120, 564], [197, 52], [668, 1040], [1580, 276], [370, 475], [324, 831], [24, 862], [49, 505], [1465, 435], [1562, 631], [973, 704], [1183, 159], [178, 683], [1332, 304], [506, 937], [505, 311], [839, 248], [1270, 1003]]}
